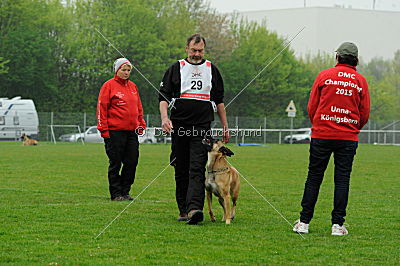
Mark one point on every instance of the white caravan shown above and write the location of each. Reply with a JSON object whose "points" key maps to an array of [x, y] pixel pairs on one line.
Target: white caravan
{"points": [[18, 116]]}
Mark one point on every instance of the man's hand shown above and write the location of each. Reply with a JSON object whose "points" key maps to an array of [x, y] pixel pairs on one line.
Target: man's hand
{"points": [[166, 125], [225, 135], [222, 116]]}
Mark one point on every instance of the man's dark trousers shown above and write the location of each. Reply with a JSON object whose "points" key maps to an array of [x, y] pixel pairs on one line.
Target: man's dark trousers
{"points": [[320, 152], [190, 160], [122, 148]]}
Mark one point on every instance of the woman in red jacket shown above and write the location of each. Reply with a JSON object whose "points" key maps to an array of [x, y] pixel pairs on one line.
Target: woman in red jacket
{"points": [[120, 120]]}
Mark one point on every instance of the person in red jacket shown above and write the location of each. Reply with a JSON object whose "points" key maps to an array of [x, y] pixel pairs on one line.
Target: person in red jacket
{"points": [[338, 108], [120, 120]]}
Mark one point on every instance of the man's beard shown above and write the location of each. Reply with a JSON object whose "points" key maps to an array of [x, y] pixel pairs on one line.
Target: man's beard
{"points": [[196, 59]]}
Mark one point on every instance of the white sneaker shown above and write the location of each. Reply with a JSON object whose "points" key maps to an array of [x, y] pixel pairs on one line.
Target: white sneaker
{"points": [[301, 228], [339, 230]]}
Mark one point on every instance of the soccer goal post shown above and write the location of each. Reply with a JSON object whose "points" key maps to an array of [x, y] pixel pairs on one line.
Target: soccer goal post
{"points": [[66, 133]]}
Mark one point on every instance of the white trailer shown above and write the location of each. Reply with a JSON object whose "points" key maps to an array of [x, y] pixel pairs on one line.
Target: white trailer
{"points": [[18, 116]]}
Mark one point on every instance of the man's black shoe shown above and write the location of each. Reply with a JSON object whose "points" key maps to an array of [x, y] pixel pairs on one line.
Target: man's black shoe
{"points": [[182, 217], [127, 197], [119, 198], [194, 217]]}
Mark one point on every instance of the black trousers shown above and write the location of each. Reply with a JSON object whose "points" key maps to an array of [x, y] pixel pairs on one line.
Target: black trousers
{"points": [[320, 153], [190, 161], [122, 148]]}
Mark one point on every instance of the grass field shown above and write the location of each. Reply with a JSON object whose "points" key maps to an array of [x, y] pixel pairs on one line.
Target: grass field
{"points": [[54, 202]]}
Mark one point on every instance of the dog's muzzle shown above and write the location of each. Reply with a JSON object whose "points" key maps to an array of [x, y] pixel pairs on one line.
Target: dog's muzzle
{"points": [[208, 143]]}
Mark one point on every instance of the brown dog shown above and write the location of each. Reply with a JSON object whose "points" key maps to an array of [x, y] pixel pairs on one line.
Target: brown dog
{"points": [[222, 180], [27, 141]]}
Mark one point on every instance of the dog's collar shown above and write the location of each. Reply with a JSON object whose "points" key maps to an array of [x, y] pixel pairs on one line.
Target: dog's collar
{"points": [[218, 171]]}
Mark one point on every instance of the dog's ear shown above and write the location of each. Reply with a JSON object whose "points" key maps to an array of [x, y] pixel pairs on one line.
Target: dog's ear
{"points": [[225, 151]]}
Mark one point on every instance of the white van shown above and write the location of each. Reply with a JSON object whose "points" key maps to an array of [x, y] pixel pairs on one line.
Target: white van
{"points": [[18, 116]]}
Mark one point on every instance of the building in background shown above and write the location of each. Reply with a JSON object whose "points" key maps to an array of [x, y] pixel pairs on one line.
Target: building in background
{"points": [[376, 33]]}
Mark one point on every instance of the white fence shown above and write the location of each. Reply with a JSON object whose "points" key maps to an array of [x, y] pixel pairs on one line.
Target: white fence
{"points": [[243, 129], [265, 136]]}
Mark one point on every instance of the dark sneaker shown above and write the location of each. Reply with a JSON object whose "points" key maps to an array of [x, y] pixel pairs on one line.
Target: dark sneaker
{"points": [[119, 198], [127, 197], [195, 217], [182, 217]]}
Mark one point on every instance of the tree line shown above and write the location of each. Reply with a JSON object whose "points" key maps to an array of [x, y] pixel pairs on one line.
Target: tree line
{"points": [[52, 51]]}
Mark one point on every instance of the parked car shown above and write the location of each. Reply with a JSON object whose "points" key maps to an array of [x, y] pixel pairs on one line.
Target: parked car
{"points": [[165, 139], [301, 135], [92, 134], [161, 136], [149, 136]]}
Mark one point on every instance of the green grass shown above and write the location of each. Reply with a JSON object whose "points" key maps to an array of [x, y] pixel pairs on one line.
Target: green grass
{"points": [[54, 202]]}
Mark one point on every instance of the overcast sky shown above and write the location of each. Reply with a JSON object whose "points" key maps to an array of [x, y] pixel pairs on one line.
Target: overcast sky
{"points": [[251, 5]]}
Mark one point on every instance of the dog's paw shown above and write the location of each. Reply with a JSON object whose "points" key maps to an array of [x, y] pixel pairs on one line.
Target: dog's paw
{"points": [[212, 217]]}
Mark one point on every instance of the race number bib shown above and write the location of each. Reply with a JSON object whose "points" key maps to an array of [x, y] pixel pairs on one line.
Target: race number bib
{"points": [[195, 80]]}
